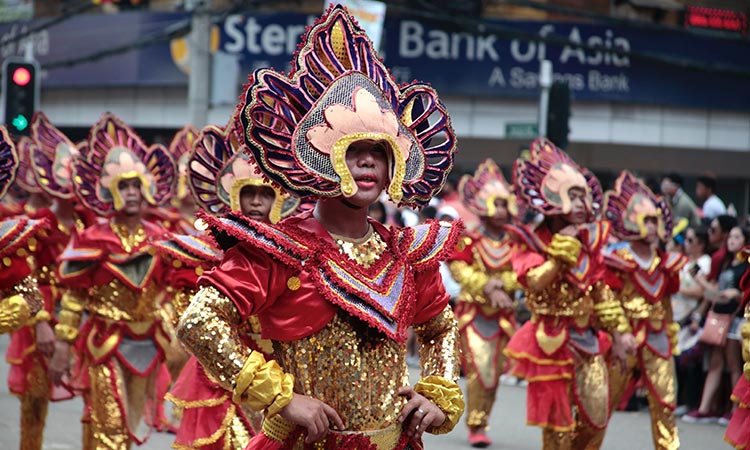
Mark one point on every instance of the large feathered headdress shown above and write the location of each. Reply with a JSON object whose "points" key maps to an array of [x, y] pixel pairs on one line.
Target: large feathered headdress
{"points": [[300, 126], [52, 157], [629, 204], [8, 161], [180, 148], [220, 166], [544, 179], [114, 153], [25, 178], [479, 192]]}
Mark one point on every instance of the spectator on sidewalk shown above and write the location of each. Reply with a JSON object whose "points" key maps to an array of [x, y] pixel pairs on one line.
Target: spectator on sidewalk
{"points": [[705, 190], [681, 203], [718, 231]]}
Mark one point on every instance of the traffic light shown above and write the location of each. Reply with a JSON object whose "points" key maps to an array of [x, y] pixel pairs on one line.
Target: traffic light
{"points": [[20, 92], [558, 114]]}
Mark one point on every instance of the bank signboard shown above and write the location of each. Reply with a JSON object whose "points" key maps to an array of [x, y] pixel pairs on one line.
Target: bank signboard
{"points": [[456, 63]]}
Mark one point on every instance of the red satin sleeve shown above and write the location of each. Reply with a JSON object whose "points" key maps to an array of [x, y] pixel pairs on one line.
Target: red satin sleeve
{"points": [[612, 280], [523, 261], [248, 277], [431, 295]]}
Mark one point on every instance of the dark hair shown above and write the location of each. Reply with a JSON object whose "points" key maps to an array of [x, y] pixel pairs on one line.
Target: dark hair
{"points": [[708, 181], [428, 212], [701, 235], [675, 178], [729, 257], [726, 222]]}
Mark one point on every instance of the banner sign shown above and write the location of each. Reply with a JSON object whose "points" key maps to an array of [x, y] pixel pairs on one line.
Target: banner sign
{"points": [[455, 63]]}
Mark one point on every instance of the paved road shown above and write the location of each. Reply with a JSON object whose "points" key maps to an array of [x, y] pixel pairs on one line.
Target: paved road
{"points": [[627, 431]]}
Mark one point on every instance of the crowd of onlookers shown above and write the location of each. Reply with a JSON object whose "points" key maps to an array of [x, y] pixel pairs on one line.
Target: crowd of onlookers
{"points": [[708, 233]]}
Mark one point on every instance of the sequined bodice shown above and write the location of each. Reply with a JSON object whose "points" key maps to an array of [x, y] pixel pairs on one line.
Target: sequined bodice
{"points": [[351, 367], [116, 301]]}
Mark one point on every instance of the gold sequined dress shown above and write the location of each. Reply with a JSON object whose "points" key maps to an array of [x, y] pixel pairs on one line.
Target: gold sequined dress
{"points": [[337, 314], [644, 288], [484, 329], [118, 279]]}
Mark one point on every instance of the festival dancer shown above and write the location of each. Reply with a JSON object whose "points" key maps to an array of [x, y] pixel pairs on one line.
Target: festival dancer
{"points": [[20, 301], [485, 308], [738, 429], [334, 291], [50, 155], [112, 272], [224, 178], [643, 279], [561, 267]]}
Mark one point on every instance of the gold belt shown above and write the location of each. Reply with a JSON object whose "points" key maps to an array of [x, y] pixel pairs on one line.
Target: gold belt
{"points": [[279, 429]]}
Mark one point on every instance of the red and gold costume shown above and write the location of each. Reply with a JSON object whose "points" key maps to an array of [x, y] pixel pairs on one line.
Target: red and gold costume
{"points": [[47, 171], [219, 169], [485, 329], [20, 301], [116, 276], [336, 309], [738, 430], [644, 288], [558, 351]]}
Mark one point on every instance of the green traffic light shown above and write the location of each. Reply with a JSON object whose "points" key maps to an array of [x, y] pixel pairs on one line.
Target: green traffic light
{"points": [[20, 122]]}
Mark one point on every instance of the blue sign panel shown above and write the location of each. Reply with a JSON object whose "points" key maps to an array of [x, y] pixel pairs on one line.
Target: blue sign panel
{"points": [[87, 34], [454, 62]]}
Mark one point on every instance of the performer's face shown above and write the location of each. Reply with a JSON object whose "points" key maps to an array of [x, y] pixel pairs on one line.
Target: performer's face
{"points": [[368, 163], [501, 216], [130, 192], [651, 224], [578, 213], [256, 202]]}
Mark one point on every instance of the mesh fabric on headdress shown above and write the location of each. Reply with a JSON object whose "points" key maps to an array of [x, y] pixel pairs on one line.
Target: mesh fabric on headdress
{"points": [[218, 169], [479, 192], [115, 150], [543, 180], [299, 126], [630, 203]]}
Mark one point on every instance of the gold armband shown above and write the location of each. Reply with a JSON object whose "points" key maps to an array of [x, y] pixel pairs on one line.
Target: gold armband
{"points": [[71, 303], [612, 317], [510, 281], [541, 276], [65, 333], [447, 396], [565, 248], [14, 313], [472, 281], [42, 316], [263, 385]]}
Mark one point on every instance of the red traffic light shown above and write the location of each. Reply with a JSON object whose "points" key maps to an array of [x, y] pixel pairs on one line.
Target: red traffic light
{"points": [[21, 76]]}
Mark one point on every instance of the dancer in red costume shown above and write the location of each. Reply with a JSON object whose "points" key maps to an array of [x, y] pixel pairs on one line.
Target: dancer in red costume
{"points": [[560, 265], [485, 308], [224, 178], [738, 430], [20, 302], [334, 291], [643, 279], [112, 272], [50, 155]]}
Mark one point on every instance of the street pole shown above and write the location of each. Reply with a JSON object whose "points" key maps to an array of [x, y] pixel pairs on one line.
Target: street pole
{"points": [[545, 82], [199, 46]]}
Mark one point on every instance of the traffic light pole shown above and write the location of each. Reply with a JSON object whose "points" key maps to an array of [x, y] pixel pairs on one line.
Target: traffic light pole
{"points": [[199, 47], [545, 82]]}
